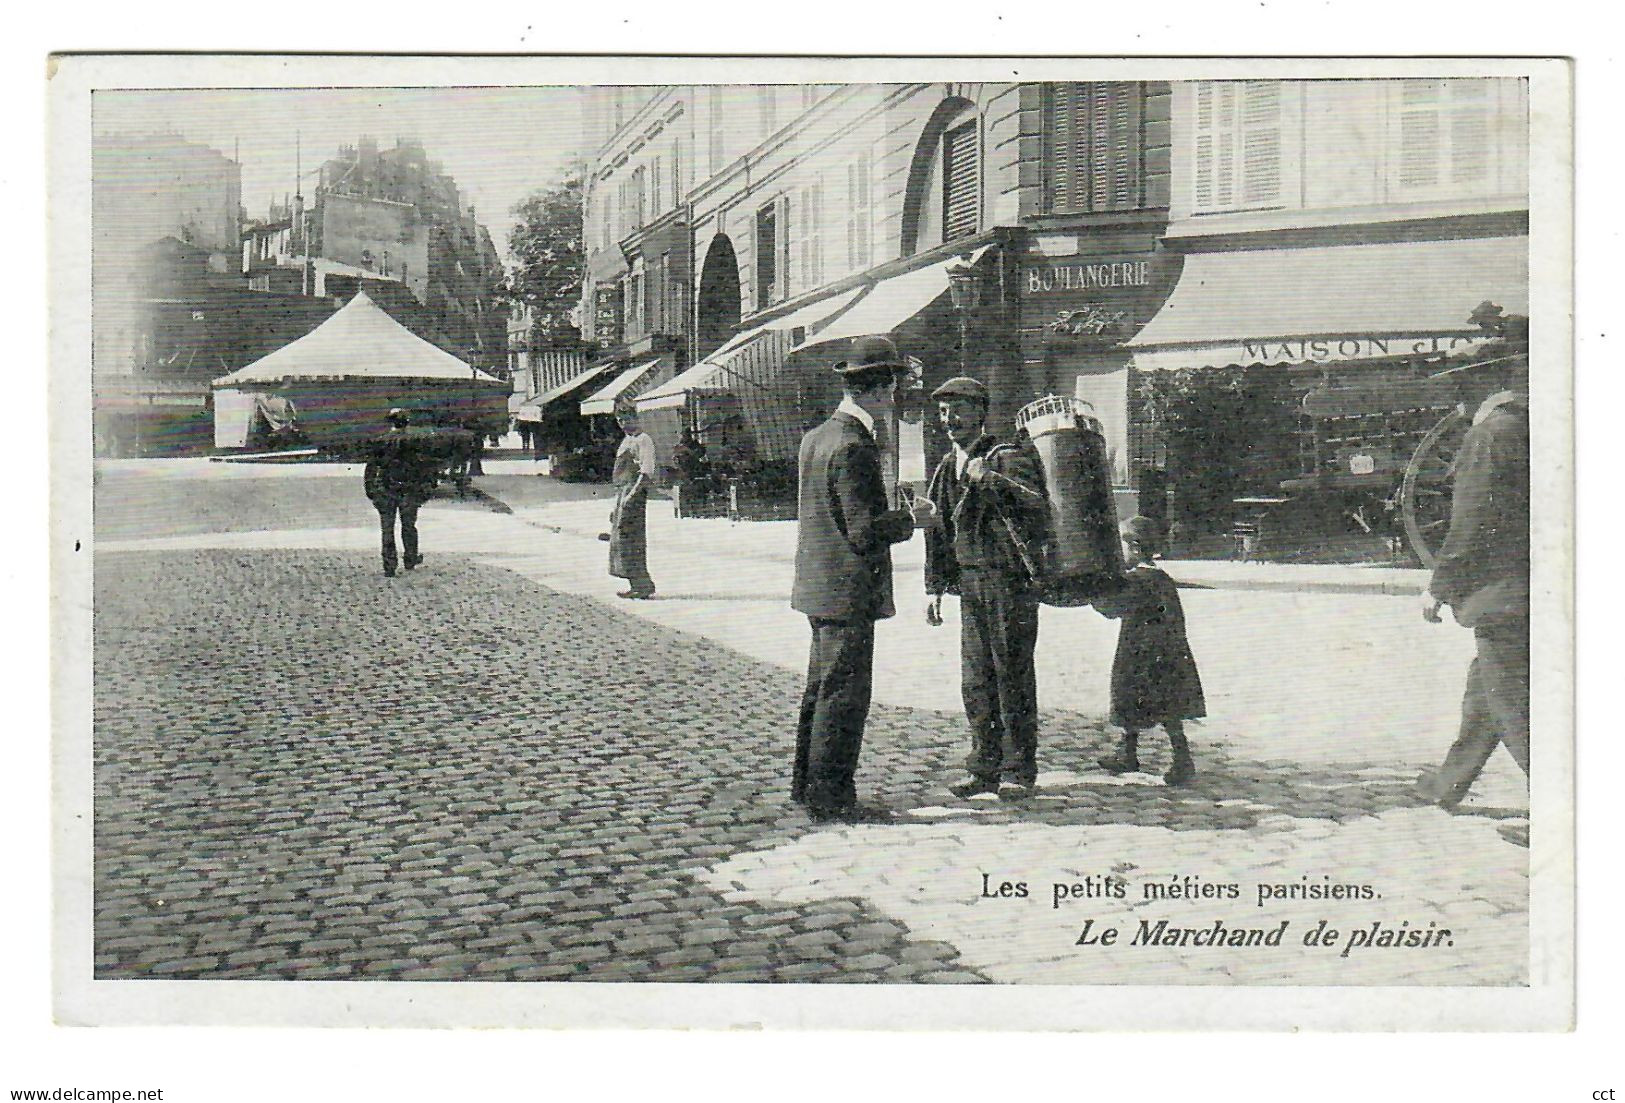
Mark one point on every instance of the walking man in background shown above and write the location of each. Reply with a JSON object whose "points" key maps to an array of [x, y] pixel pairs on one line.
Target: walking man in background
{"points": [[398, 479], [1482, 573], [991, 510], [843, 580]]}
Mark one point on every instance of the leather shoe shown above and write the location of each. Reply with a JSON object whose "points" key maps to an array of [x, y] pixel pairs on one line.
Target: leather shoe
{"points": [[1017, 792], [636, 595], [1119, 764], [1182, 772], [413, 561], [972, 788], [852, 813]]}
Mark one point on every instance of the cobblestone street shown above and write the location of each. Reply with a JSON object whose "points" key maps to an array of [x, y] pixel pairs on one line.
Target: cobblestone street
{"points": [[304, 770]]}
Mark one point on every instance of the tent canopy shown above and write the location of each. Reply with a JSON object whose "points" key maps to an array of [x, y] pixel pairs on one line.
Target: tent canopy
{"points": [[359, 342]]}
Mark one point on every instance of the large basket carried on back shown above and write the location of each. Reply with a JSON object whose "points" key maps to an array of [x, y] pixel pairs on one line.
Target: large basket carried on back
{"points": [[1082, 558]]}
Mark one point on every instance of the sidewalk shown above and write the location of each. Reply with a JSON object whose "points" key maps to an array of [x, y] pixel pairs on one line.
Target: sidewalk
{"points": [[776, 540]]}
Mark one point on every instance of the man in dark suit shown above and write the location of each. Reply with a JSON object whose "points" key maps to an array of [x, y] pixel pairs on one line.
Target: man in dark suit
{"points": [[844, 578], [1482, 573], [992, 513], [398, 478]]}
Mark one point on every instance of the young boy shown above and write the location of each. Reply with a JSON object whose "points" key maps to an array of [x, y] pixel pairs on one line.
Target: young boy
{"points": [[1154, 678]]}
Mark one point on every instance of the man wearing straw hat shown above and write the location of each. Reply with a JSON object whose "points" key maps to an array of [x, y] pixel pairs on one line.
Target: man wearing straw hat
{"points": [[1482, 573], [843, 582]]}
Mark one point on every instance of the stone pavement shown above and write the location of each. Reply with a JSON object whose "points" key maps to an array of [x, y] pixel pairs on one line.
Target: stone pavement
{"points": [[306, 771]]}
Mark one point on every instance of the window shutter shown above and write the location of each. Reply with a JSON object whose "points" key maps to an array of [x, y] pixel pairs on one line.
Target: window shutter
{"points": [[1205, 149], [960, 198], [1237, 145], [677, 173], [783, 268], [1126, 146], [1261, 143], [1419, 136], [810, 241], [1059, 156], [857, 211], [1224, 157], [1469, 131]]}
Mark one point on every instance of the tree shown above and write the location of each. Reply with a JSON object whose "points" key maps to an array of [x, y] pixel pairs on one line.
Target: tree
{"points": [[546, 243]]}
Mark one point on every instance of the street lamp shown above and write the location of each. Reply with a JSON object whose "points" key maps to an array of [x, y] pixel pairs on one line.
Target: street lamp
{"points": [[965, 289]]}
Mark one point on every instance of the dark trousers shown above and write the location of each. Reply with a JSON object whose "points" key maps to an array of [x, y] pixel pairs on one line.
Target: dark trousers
{"points": [[998, 631], [1494, 708], [407, 508], [834, 708]]}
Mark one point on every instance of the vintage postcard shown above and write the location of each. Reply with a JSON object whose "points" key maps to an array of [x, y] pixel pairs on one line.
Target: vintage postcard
{"points": [[1054, 544]]}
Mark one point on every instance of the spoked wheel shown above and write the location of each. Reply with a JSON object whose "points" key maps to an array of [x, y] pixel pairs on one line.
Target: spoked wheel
{"points": [[1425, 491]]}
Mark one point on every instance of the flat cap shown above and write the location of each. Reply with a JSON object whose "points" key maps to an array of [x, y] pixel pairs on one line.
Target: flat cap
{"points": [[962, 386], [868, 353]]}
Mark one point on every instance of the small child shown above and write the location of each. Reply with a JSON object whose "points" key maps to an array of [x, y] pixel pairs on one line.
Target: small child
{"points": [[1154, 678]]}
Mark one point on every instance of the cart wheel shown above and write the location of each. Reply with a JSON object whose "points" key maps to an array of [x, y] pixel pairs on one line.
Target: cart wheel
{"points": [[1425, 491]]}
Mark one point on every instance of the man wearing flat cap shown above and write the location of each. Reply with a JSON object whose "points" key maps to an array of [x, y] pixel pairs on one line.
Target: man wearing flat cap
{"points": [[843, 578], [992, 512]]}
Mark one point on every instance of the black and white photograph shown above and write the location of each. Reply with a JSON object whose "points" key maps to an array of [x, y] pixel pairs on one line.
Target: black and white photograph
{"points": [[641, 542]]}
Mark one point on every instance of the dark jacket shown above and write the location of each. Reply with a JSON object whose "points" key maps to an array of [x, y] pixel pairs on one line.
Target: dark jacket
{"points": [[1482, 571], [1154, 677], [974, 532], [401, 466], [845, 531]]}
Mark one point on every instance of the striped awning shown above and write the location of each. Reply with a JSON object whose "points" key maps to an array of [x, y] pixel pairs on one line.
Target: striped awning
{"points": [[712, 374], [628, 383], [531, 409]]}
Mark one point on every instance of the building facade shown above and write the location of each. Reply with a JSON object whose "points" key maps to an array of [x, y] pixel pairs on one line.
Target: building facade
{"points": [[1337, 239], [815, 213], [1097, 239]]}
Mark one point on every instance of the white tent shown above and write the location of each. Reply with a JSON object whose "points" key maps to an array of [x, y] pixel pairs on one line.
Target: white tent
{"points": [[345, 374], [360, 341]]}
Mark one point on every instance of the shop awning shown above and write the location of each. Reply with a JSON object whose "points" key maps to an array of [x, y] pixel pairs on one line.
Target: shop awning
{"points": [[1332, 303], [891, 302], [532, 408], [711, 374], [603, 401]]}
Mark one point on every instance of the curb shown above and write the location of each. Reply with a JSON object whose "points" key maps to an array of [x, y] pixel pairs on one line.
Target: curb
{"points": [[1377, 587]]}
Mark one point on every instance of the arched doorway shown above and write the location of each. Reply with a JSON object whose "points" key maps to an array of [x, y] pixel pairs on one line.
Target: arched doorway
{"points": [[924, 223], [719, 305]]}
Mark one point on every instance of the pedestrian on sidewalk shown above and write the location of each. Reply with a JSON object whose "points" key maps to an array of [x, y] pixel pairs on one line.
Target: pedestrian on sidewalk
{"points": [[991, 507], [398, 478], [1482, 573], [1154, 676], [843, 581], [634, 473]]}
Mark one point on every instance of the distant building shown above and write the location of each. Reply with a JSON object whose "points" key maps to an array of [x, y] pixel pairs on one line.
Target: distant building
{"points": [[395, 215], [145, 188]]}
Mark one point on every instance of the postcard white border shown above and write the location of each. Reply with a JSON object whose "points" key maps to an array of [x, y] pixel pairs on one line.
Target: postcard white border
{"points": [[1546, 1004]]}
